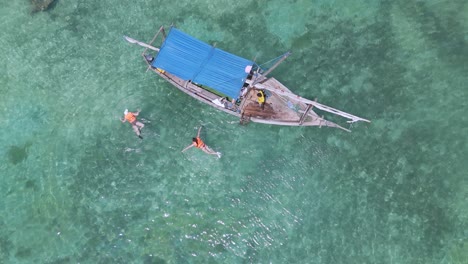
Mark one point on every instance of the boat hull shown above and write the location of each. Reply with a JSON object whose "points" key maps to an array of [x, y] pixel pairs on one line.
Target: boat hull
{"points": [[276, 111]]}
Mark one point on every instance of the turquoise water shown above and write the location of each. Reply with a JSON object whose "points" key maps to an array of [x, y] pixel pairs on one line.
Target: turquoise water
{"points": [[78, 186]]}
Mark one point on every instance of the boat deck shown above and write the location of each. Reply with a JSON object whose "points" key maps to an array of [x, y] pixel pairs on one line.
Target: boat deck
{"points": [[275, 108]]}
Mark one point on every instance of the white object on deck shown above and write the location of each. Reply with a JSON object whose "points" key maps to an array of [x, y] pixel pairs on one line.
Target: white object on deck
{"points": [[217, 102]]}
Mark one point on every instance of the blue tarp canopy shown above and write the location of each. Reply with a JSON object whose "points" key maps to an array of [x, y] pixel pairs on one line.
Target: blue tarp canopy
{"points": [[191, 59]]}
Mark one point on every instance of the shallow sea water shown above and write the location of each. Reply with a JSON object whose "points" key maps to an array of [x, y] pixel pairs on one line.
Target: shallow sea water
{"points": [[77, 186]]}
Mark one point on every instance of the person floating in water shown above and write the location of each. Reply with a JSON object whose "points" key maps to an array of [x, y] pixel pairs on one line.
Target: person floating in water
{"points": [[197, 142], [261, 99], [131, 118]]}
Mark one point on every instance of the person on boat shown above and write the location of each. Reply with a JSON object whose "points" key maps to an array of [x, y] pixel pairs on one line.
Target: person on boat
{"points": [[261, 99], [131, 118], [198, 143], [229, 104]]}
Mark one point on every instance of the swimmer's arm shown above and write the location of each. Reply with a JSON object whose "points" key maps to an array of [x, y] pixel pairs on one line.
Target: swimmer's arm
{"points": [[191, 145], [198, 134], [123, 120], [137, 112]]}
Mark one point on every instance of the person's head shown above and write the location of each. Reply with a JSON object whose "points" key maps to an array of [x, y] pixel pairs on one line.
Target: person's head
{"points": [[126, 112], [194, 140], [259, 94]]}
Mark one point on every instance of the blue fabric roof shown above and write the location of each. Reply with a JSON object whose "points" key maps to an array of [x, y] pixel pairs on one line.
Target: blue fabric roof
{"points": [[192, 59]]}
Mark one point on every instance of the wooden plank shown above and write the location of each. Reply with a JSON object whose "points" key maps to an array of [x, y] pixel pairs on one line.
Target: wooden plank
{"points": [[254, 110], [304, 115]]}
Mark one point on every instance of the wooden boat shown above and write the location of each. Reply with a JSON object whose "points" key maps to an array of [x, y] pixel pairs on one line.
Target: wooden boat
{"points": [[230, 83]]}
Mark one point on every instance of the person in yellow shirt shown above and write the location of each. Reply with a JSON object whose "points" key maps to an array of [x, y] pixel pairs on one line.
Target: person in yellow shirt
{"points": [[261, 99]]}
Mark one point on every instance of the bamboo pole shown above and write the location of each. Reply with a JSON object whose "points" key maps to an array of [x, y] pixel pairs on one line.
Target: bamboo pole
{"points": [[155, 36], [304, 115]]}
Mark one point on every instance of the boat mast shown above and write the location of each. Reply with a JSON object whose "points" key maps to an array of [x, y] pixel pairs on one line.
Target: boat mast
{"points": [[262, 77]]}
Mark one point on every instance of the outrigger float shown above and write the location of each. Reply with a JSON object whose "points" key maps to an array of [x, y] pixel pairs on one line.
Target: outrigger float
{"points": [[230, 83]]}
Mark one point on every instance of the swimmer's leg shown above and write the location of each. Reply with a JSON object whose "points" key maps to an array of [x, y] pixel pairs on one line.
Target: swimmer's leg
{"points": [[137, 131], [140, 125], [210, 151]]}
